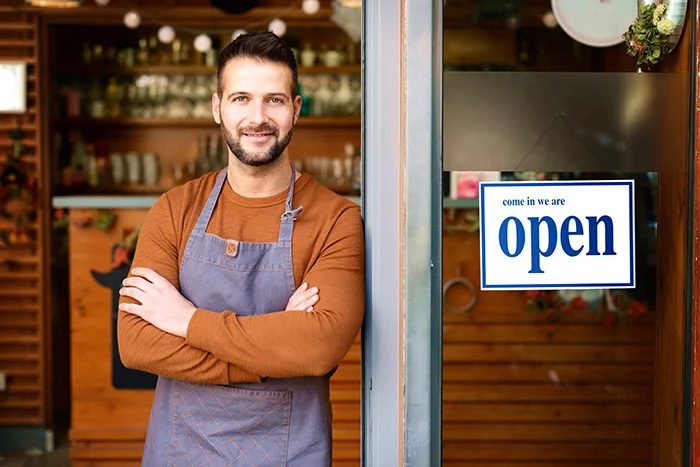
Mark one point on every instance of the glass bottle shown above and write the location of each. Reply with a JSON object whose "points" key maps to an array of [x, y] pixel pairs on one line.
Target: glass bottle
{"points": [[142, 54]]}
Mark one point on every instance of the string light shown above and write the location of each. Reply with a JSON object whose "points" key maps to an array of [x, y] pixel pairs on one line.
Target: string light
{"points": [[202, 43], [549, 20], [277, 26], [132, 19], [166, 34], [237, 33], [310, 7]]}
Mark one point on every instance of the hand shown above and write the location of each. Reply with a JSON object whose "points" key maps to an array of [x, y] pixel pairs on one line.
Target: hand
{"points": [[161, 304], [303, 299]]}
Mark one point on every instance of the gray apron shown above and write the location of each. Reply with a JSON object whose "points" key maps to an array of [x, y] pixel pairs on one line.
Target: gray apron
{"points": [[279, 422]]}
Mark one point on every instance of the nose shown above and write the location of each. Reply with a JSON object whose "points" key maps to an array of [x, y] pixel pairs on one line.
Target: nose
{"points": [[257, 114]]}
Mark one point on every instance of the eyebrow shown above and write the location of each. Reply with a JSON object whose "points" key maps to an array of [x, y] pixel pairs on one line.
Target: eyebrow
{"points": [[271, 94]]}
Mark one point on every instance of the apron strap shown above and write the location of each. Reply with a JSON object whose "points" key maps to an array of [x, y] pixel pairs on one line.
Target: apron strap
{"points": [[287, 219], [290, 215], [201, 227]]}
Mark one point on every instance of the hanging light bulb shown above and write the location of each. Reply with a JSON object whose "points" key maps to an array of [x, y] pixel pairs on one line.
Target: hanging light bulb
{"points": [[236, 33], [166, 34], [102, 2], [310, 7], [277, 26], [55, 3], [549, 20], [202, 43], [132, 19]]}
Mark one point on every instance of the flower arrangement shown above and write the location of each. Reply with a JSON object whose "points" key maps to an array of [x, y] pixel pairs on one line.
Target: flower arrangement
{"points": [[615, 308], [123, 252], [648, 37]]}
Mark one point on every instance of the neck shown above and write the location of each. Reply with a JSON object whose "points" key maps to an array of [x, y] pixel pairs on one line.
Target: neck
{"points": [[259, 182]]}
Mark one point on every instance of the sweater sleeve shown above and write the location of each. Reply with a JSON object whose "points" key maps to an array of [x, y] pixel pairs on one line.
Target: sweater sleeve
{"points": [[297, 343], [143, 346]]}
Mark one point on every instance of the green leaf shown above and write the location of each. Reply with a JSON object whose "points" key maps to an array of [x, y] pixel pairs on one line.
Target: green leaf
{"points": [[657, 53]]}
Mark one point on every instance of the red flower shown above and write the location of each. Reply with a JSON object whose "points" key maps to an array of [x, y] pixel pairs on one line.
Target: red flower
{"points": [[121, 256], [610, 319], [636, 309], [579, 304], [532, 294]]}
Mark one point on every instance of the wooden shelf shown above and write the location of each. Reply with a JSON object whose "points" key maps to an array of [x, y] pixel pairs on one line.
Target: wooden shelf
{"points": [[338, 122], [119, 190], [192, 70]]}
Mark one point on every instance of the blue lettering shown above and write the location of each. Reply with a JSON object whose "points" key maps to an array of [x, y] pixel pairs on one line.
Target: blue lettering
{"points": [[519, 237], [593, 235], [535, 223], [571, 226], [566, 232]]}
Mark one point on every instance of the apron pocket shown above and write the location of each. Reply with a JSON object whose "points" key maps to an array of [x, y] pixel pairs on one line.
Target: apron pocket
{"points": [[225, 426]]}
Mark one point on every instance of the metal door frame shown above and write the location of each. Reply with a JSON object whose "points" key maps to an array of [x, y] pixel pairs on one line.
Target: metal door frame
{"points": [[402, 208]]}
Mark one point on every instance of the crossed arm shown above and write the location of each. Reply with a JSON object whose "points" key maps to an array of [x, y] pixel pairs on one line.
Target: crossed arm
{"points": [[164, 334]]}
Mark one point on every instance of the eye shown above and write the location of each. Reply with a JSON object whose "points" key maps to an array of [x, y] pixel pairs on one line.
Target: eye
{"points": [[276, 100], [239, 99]]}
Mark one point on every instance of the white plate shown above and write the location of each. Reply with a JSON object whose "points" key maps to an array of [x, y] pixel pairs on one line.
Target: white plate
{"points": [[597, 23]]}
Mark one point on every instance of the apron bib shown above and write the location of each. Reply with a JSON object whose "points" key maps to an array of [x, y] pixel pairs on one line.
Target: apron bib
{"points": [[277, 423]]}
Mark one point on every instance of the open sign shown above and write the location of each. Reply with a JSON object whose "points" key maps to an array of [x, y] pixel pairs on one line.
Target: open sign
{"points": [[557, 235]]}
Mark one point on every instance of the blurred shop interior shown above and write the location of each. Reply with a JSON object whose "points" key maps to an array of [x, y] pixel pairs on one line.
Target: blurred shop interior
{"points": [[113, 109]]}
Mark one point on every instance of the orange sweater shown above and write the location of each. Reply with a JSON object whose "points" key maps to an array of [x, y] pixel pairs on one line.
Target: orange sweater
{"points": [[224, 348]]}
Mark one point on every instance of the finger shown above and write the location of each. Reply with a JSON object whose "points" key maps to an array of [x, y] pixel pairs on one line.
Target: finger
{"points": [[307, 294], [132, 308], [299, 292], [135, 281], [307, 303], [133, 292], [149, 274], [296, 302], [310, 309]]}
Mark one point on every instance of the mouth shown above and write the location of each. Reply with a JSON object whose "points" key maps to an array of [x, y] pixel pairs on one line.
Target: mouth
{"points": [[258, 137]]}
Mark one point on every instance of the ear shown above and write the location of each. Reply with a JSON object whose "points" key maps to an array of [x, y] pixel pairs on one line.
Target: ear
{"points": [[216, 107], [297, 107]]}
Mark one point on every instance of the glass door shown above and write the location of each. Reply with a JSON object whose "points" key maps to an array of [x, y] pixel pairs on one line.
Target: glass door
{"points": [[539, 376]]}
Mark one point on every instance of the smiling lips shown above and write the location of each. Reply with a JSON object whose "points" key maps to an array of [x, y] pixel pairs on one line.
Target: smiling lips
{"points": [[258, 137]]}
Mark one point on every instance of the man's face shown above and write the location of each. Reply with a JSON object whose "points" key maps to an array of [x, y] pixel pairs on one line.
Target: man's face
{"points": [[256, 110]]}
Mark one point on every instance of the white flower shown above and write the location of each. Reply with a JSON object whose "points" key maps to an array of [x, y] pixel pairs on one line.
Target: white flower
{"points": [[658, 13], [665, 26]]}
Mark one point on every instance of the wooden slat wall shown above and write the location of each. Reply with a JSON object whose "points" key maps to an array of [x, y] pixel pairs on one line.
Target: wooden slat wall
{"points": [[22, 300], [523, 392]]}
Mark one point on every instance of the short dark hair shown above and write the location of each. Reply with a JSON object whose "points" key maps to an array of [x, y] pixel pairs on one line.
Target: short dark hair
{"points": [[263, 46]]}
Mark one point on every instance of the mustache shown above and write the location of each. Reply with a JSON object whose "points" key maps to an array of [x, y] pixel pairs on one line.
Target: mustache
{"points": [[265, 128]]}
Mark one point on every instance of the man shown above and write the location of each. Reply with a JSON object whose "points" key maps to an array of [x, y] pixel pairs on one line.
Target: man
{"points": [[242, 302]]}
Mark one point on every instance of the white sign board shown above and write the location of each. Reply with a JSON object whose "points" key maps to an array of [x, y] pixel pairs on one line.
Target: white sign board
{"points": [[557, 235], [597, 23], [13, 82]]}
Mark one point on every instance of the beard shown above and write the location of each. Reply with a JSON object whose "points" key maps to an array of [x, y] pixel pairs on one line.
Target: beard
{"points": [[260, 157]]}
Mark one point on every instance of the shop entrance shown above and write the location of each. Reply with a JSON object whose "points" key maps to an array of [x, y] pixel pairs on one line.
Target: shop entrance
{"points": [[460, 92], [551, 375]]}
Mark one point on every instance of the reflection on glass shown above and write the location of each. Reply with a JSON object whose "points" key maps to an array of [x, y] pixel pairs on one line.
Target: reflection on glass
{"points": [[560, 376]]}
